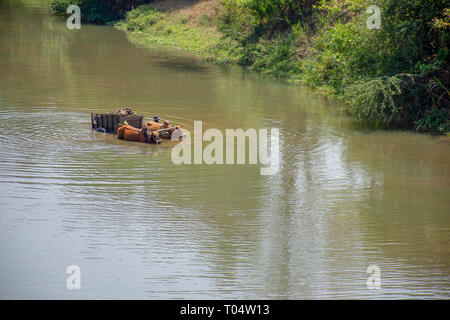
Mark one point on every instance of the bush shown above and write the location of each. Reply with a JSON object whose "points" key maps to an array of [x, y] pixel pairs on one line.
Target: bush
{"points": [[142, 17], [277, 59], [376, 99], [434, 120], [395, 73], [238, 23], [60, 6], [407, 34], [289, 11], [98, 11]]}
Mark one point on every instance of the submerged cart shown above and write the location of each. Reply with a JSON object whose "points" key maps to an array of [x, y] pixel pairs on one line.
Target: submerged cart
{"points": [[112, 120]]}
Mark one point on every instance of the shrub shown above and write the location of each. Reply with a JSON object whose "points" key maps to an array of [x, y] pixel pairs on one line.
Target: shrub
{"points": [[376, 99], [238, 23], [288, 11], [277, 58], [60, 6], [98, 11], [142, 17]]}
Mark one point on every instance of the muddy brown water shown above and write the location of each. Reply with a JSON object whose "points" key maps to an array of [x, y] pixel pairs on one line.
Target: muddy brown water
{"points": [[140, 227]]}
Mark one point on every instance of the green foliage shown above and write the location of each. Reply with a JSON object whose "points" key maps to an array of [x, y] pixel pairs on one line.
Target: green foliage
{"points": [[148, 26], [393, 74], [346, 52], [277, 10], [277, 59], [441, 58], [442, 24], [142, 17], [98, 11], [60, 6], [376, 99], [238, 23], [435, 119], [366, 67], [406, 33], [328, 12]]}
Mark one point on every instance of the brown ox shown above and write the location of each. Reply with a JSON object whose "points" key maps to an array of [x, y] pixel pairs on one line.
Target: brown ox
{"points": [[129, 133], [165, 130], [153, 126]]}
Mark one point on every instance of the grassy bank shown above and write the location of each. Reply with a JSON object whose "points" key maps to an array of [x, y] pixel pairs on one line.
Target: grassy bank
{"points": [[191, 28], [397, 75]]}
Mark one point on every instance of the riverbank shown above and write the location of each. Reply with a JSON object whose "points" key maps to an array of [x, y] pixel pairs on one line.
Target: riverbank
{"points": [[191, 27], [393, 76]]}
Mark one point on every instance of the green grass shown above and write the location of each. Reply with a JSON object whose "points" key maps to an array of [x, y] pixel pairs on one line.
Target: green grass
{"points": [[145, 25]]}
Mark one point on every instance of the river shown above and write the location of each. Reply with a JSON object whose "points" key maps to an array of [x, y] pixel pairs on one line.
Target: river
{"points": [[138, 226]]}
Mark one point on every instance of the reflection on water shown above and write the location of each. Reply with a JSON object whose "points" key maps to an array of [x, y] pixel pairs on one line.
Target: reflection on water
{"points": [[140, 227]]}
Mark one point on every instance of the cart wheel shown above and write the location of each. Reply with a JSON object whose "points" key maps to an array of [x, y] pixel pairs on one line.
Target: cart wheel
{"points": [[101, 130]]}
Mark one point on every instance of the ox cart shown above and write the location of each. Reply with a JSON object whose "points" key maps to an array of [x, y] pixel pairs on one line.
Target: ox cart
{"points": [[112, 120]]}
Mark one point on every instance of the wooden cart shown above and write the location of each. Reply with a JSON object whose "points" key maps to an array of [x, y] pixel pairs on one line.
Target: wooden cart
{"points": [[110, 122]]}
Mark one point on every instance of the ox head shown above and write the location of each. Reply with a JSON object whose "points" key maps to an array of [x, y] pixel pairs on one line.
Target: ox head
{"points": [[151, 136], [155, 137], [176, 133]]}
